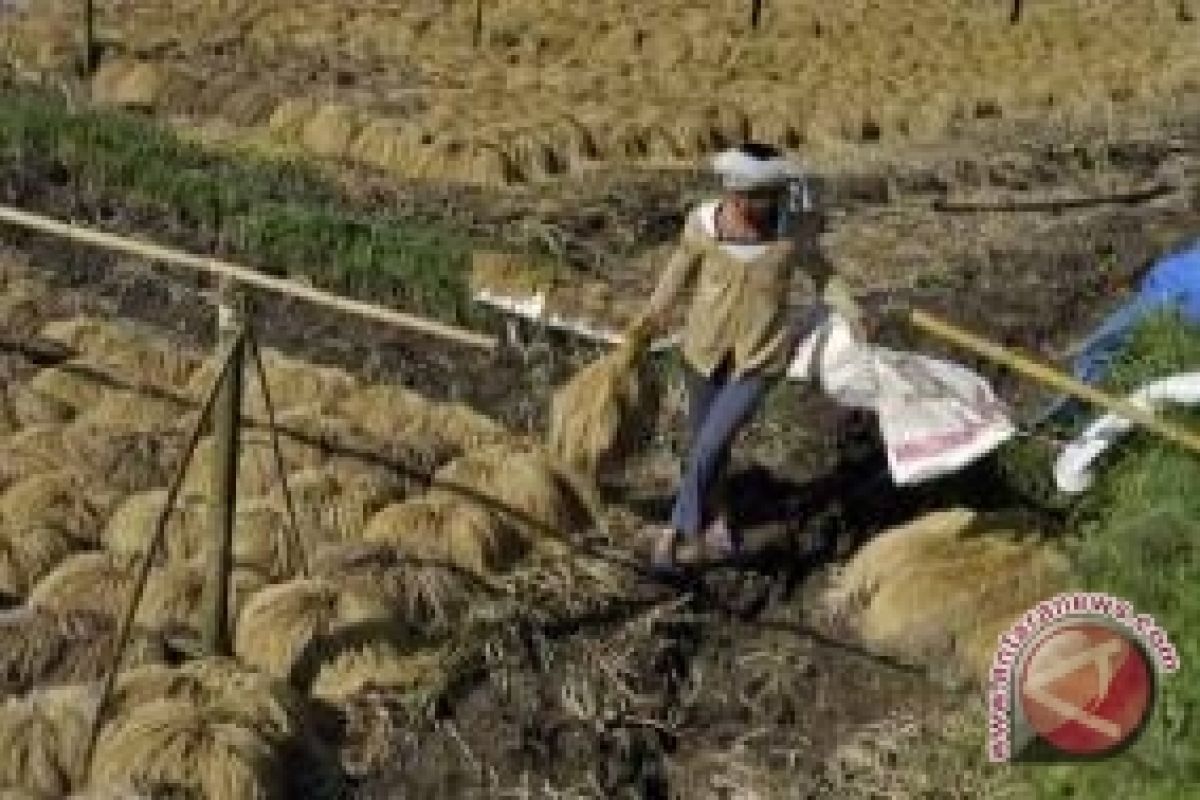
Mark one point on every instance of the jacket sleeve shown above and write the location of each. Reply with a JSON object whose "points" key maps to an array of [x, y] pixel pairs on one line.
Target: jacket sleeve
{"points": [[679, 271]]}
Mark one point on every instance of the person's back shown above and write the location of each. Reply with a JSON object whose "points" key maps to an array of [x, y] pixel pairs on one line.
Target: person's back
{"points": [[1175, 279]]}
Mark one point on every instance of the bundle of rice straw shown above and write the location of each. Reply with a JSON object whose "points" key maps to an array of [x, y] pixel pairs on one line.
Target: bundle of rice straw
{"points": [[124, 350], [121, 457], [933, 590], [100, 581], [287, 623], [392, 413], [292, 383], [334, 503], [430, 596], [258, 473], [43, 736], [40, 648], [379, 665], [222, 688], [27, 553], [31, 451], [518, 484], [177, 746], [599, 412], [260, 538], [61, 500], [55, 395], [441, 528]]}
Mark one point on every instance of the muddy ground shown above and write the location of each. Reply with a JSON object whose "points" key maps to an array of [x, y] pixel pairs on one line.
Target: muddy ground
{"points": [[727, 685]]}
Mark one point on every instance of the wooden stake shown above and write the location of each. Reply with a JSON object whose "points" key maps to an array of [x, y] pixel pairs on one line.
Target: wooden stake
{"points": [[1017, 8], [755, 13], [477, 30], [1053, 378], [223, 497], [89, 37]]}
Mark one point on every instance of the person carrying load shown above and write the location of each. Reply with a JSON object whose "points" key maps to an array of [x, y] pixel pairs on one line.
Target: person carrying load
{"points": [[741, 253]]}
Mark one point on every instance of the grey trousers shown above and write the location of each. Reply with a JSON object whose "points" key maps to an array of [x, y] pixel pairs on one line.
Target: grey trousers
{"points": [[718, 407]]}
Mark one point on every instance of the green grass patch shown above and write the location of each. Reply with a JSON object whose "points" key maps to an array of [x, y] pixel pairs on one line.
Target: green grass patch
{"points": [[1139, 538], [284, 218]]}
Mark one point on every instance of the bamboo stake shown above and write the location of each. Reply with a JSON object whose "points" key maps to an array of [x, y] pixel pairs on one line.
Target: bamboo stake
{"points": [[244, 275], [226, 426], [139, 584], [1053, 378]]}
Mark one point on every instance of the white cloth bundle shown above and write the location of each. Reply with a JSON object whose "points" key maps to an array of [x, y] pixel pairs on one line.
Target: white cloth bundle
{"points": [[1071, 473], [934, 417]]}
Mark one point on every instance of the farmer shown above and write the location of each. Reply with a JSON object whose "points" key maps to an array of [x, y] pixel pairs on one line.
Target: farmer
{"points": [[1171, 284], [741, 252]]}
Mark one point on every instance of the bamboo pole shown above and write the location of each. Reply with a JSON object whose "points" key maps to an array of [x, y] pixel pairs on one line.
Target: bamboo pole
{"points": [[477, 28], [89, 37], [1053, 378], [244, 275], [755, 13], [139, 585], [223, 478]]}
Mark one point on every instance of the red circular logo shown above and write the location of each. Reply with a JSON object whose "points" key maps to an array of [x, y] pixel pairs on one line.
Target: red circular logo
{"points": [[1086, 687]]}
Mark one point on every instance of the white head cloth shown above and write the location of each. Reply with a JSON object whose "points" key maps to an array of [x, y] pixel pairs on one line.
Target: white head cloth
{"points": [[741, 171]]}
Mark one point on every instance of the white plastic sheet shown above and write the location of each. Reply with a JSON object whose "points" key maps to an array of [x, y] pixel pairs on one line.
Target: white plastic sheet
{"points": [[934, 417], [1071, 470]]}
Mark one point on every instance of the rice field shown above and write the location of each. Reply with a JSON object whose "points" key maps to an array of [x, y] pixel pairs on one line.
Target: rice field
{"points": [[556, 89]]}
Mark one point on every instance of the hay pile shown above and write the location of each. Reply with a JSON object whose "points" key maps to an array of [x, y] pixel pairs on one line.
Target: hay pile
{"points": [[599, 413], [441, 528], [518, 484], [39, 647], [43, 736], [942, 588], [212, 728], [285, 626], [260, 536], [379, 665], [175, 746], [102, 582], [430, 596], [392, 413], [124, 350]]}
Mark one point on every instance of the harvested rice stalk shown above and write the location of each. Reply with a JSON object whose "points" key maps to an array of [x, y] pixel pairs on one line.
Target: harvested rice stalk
{"points": [[933, 591], [222, 688], [32, 451], [27, 554], [59, 500], [379, 665], [40, 648], [516, 483], [181, 747], [334, 505], [293, 384], [124, 349], [258, 473], [286, 623], [441, 528], [43, 736], [429, 596], [122, 457], [597, 415], [55, 395]]}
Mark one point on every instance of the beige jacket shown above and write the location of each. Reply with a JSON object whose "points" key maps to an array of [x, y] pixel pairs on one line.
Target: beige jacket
{"points": [[740, 307]]}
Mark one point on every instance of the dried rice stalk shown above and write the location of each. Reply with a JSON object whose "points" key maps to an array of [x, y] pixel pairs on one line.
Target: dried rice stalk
{"points": [[123, 349], [173, 744], [518, 484], [222, 688], [379, 665], [334, 504], [55, 395], [428, 595], [27, 553], [594, 417], [123, 457], [58, 500], [285, 623], [935, 590], [40, 648], [32, 451], [42, 738], [443, 529], [257, 470]]}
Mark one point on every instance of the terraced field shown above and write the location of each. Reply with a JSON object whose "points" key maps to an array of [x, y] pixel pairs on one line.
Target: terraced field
{"points": [[562, 88]]}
